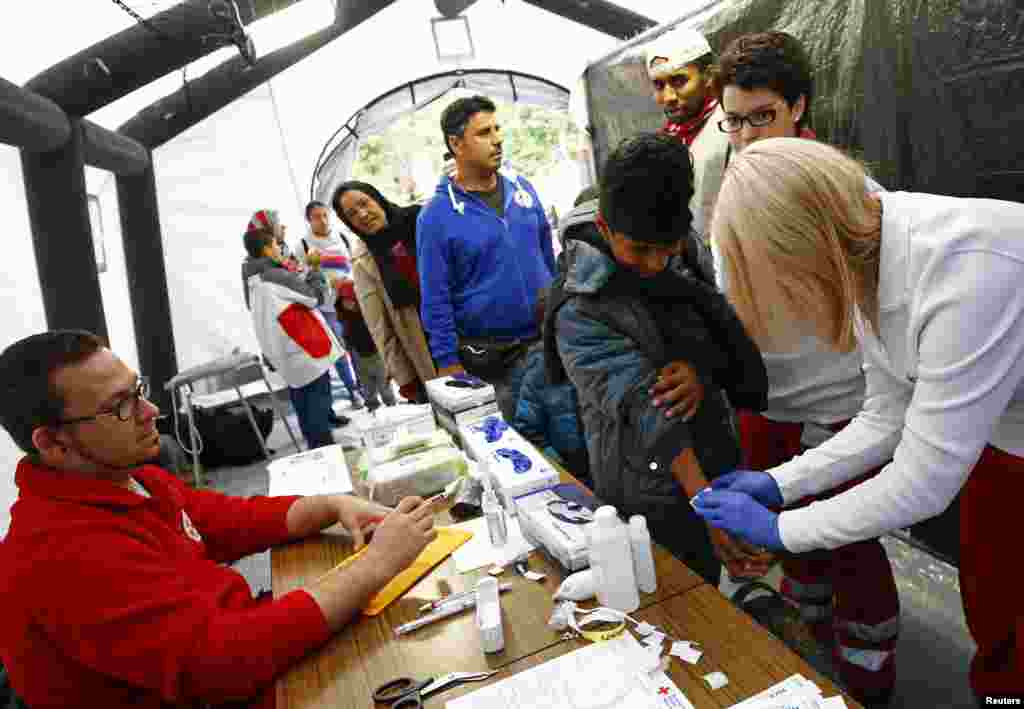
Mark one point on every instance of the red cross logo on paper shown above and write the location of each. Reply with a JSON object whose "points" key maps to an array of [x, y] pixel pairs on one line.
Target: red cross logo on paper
{"points": [[663, 691]]}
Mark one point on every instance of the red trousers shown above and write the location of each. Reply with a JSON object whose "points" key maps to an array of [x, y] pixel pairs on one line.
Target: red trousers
{"points": [[989, 505], [847, 595]]}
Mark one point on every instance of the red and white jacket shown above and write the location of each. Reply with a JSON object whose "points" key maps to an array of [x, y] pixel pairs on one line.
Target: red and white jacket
{"points": [[291, 331]]}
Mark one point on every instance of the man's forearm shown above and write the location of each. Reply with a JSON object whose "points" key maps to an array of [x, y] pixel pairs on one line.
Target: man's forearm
{"points": [[343, 593], [311, 514], [687, 472]]}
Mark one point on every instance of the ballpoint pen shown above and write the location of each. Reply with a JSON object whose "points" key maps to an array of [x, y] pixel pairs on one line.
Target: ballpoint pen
{"points": [[447, 609], [434, 605]]}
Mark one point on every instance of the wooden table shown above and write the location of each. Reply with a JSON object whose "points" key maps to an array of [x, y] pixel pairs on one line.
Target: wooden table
{"points": [[366, 653]]}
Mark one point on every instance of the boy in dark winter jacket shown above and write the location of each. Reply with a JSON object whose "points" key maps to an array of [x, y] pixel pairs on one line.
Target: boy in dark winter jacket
{"points": [[635, 302]]}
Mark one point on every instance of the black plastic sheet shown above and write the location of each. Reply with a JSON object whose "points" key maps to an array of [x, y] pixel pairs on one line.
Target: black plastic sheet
{"points": [[926, 92]]}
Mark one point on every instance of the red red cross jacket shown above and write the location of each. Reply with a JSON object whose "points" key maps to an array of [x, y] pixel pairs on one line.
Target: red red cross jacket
{"points": [[111, 599]]}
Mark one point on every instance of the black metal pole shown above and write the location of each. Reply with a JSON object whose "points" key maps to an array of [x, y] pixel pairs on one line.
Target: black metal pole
{"points": [[30, 121], [147, 280], [62, 236]]}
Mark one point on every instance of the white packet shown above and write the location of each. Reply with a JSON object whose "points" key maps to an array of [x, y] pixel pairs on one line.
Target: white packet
{"points": [[578, 586]]}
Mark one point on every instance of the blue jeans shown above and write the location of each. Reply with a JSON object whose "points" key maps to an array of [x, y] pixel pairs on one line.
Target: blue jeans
{"points": [[343, 365], [312, 404]]}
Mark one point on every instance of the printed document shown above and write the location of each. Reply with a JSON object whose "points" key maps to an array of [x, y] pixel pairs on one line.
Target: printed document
{"points": [[320, 471], [604, 675]]}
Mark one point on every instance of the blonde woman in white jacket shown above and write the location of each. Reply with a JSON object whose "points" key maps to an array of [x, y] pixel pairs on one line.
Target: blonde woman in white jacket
{"points": [[930, 287]]}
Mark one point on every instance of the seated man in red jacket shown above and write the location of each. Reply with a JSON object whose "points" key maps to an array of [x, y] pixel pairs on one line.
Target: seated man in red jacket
{"points": [[112, 578]]}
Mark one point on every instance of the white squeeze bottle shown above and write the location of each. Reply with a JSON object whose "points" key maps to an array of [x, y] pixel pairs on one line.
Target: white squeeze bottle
{"points": [[611, 553], [643, 555], [494, 513]]}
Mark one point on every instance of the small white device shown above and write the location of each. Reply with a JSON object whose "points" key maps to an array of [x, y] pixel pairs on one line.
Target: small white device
{"points": [[488, 615]]}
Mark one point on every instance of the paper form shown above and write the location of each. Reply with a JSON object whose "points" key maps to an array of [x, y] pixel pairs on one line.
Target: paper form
{"points": [[795, 692], [603, 675], [478, 552], [320, 471]]}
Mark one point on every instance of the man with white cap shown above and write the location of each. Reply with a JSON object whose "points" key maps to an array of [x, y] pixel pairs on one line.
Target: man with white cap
{"points": [[678, 63]]}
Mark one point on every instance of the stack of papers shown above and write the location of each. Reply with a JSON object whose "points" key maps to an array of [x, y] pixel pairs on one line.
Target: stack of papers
{"points": [[321, 471], [605, 675], [796, 692]]}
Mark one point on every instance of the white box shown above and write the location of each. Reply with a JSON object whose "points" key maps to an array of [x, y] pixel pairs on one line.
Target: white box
{"points": [[382, 428], [507, 482], [474, 439], [415, 474], [565, 541], [455, 399], [453, 422]]}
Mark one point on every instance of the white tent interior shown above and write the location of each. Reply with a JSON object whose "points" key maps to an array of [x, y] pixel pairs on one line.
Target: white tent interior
{"points": [[257, 152]]}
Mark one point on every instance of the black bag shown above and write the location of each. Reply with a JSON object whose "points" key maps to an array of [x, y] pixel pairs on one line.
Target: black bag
{"points": [[489, 359], [228, 438]]}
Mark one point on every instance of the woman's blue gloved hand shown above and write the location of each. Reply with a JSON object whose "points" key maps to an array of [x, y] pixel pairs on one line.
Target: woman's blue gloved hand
{"points": [[739, 514], [761, 486]]}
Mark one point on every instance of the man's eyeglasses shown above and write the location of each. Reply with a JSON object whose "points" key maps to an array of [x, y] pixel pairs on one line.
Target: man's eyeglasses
{"points": [[733, 123], [125, 409]]}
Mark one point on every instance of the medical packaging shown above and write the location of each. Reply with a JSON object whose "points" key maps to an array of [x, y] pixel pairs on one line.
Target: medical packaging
{"points": [[455, 404], [544, 522], [388, 422], [513, 464], [419, 474]]}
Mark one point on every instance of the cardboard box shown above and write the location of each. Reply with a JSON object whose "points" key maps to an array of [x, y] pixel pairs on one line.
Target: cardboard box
{"points": [[564, 541], [508, 483], [416, 474], [452, 423], [383, 427], [453, 400]]}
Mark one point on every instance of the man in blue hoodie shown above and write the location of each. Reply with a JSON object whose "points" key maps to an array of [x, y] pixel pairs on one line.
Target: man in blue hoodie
{"points": [[483, 246]]}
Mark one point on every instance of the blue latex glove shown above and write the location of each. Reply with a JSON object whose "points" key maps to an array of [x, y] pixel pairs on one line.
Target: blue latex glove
{"points": [[761, 486], [741, 515]]}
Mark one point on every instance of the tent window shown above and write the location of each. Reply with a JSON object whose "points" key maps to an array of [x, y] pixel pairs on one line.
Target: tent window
{"points": [[96, 222], [452, 39]]}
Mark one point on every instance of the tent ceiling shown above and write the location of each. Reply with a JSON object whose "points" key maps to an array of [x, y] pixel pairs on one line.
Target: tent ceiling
{"points": [[141, 53], [600, 15], [340, 152]]}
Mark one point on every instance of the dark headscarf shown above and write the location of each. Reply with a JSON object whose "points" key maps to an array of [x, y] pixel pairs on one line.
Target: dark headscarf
{"points": [[401, 229]]}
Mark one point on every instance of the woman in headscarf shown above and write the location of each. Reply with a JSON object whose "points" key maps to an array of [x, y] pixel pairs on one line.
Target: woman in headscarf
{"points": [[387, 283]]}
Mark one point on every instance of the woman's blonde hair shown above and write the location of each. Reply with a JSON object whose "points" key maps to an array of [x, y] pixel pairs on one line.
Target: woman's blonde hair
{"points": [[799, 238]]}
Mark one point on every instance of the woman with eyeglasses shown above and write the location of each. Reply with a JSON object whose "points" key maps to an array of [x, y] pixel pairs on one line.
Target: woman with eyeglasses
{"points": [[387, 282], [929, 287], [847, 596]]}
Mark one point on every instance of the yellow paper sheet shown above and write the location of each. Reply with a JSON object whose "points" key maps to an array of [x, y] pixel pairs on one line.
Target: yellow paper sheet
{"points": [[447, 541]]}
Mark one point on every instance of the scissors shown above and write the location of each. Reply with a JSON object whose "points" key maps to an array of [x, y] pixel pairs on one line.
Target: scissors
{"points": [[408, 693]]}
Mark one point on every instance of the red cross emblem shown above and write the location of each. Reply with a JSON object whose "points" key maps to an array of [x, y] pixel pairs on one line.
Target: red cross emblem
{"points": [[663, 691]]}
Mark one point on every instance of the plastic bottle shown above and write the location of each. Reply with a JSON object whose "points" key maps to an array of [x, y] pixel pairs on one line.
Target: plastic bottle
{"points": [[643, 555], [611, 554], [494, 513]]}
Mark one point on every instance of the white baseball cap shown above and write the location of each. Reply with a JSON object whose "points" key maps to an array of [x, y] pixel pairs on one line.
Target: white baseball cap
{"points": [[680, 46]]}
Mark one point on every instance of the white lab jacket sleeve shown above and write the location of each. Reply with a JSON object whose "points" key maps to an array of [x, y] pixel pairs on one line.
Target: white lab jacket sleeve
{"points": [[967, 327]]}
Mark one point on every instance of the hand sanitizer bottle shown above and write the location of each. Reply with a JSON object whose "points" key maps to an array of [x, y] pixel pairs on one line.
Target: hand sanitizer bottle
{"points": [[611, 554]]}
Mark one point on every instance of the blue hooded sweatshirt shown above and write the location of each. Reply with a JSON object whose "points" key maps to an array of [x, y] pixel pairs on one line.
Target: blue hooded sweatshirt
{"points": [[480, 274]]}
